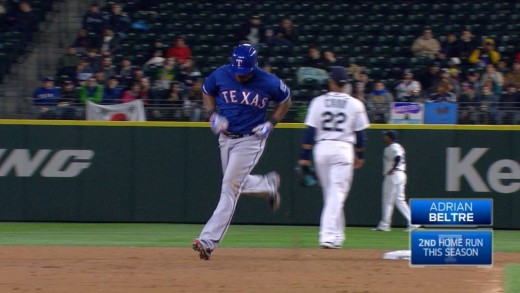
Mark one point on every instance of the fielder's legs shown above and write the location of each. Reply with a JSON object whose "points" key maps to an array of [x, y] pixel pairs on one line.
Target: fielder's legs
{"points": [[387, 204], [400, 201], [239, 156], [335, 171]]}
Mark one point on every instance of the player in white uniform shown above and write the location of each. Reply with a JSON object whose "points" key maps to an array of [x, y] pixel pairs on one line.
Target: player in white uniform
{"points": [[335, 132], [394, 184]]}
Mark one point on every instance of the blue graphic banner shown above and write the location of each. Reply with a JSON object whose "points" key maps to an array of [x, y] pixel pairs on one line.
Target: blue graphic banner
{"points": [[440, 113], [452, 212], [451, 247]]}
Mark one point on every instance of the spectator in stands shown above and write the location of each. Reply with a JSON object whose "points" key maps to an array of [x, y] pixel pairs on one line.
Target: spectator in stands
{"points": [[488, 107], [359, 92], [110, 42], [100, 77], [26, 21], [157, 59], [174, 102], [107, 66], [468, 105], [125, 71], [513, 76], [94, 59], [363, 77], [93, 20], [132, 93], [91, 91], [443, 93], [157, 45], [166, 74], [192, 104], [330, 58], [118, 20], [496, 78], [502, 67], [83, 71], [484, 55], [188, 74], [451, 46], [509, 105], [378, 103], [138, 74], [285, 34], [428, 78], [66, 106], [83, 41], [111, 91], [467, 45], [179, 50], [68, 62], [473, 80], [314, 58], [45, 99], [146, 93], [253, 32], [426, 45], [408, 89], [445, 76]]}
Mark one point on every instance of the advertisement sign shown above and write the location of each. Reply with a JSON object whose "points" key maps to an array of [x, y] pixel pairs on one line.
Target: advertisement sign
{"points": [[406, 113], [440, 113]]}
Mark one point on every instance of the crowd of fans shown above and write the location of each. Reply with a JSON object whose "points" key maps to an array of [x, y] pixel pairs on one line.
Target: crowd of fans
{"points": [[460, 69]]}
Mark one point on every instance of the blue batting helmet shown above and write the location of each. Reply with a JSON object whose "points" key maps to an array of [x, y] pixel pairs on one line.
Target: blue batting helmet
{"points": [[244, 59]]}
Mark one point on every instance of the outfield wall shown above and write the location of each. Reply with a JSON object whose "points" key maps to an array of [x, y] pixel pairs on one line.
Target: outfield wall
{"points": [[170, 172]]}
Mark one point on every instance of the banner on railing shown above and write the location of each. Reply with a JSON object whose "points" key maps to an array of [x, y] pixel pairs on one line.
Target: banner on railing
{"points": [[440, 113], [131, 111], [406, 113]]}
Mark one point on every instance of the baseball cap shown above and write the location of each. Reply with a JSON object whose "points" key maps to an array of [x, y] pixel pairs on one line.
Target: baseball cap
{"points": [[243, 60], [407, 71], [392, 134], [338, 74], [48, 78]]}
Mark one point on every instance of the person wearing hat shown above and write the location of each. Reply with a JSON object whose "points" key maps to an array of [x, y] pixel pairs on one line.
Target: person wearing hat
{"points": [[394, 183], [408, 89], [485, 54], [335, 135], [45, 99], [236, 97]]}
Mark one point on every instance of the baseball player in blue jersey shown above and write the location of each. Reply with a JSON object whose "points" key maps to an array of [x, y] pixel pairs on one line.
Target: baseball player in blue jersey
{"points": [[237, 97]]}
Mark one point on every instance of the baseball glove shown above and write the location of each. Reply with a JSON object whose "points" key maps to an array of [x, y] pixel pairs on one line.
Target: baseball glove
{"points": [[305, 175]]}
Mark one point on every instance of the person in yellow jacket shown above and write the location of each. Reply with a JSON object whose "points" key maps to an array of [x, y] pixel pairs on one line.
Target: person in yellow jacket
{"points": [[485, 54]]}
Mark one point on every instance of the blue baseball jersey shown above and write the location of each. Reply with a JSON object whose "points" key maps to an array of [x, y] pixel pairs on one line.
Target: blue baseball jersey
{"points": [[244, 104]]}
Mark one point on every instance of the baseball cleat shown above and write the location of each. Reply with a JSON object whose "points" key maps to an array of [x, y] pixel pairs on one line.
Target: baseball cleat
{"points": [[381, 229], [329, 245], [411, 228], [199, 247], [274, 199]]}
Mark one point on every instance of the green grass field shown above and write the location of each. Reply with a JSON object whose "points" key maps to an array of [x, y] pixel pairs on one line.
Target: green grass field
{"points": [[181, 235]]}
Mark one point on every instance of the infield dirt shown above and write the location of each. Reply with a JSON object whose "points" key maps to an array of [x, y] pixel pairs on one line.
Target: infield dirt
{"points": [[157, 270]]}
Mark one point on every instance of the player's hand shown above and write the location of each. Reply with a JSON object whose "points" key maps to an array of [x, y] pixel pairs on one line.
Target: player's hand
{"points": [[263, 130], [218, 123], [358, 163]]}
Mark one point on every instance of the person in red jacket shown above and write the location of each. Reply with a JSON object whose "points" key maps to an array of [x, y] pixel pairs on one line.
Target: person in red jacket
{"points": [[179, 51]]}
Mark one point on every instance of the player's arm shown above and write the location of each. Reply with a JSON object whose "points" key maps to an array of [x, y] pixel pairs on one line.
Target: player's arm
{"points": [[209, 104], [307, 144], [359, 147], [280, 110], [397, 159]]}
